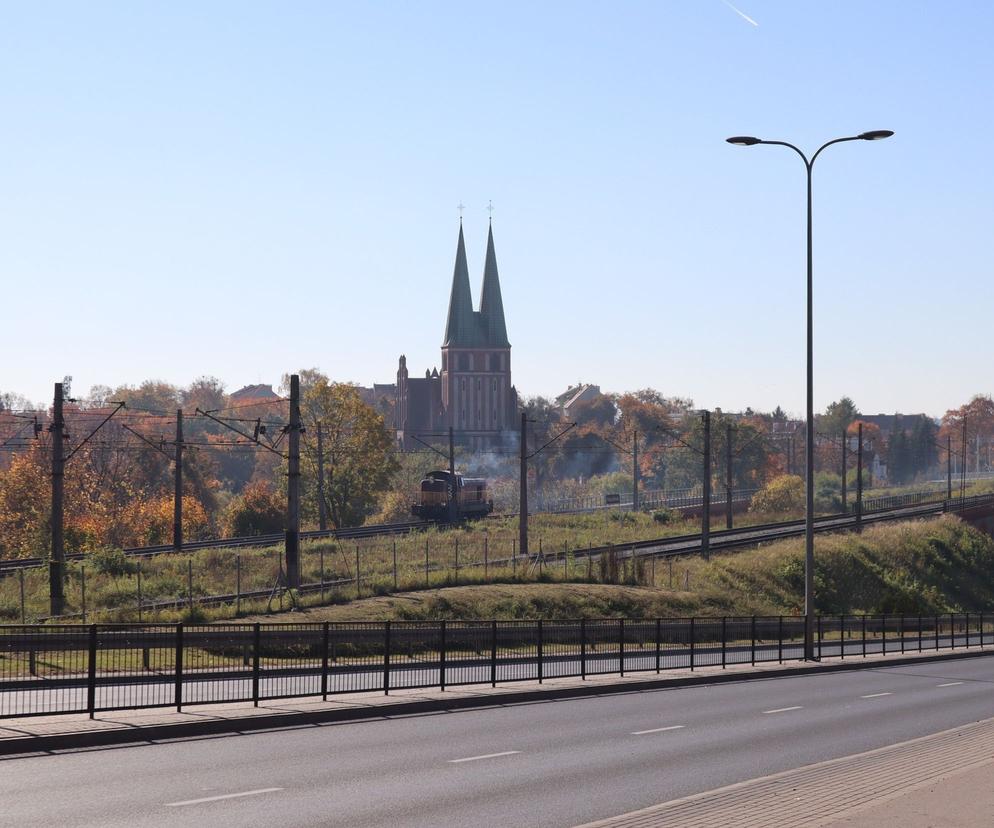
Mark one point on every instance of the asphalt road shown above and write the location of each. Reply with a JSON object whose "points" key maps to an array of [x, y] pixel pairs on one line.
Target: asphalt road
{"points": [[556, 763]]}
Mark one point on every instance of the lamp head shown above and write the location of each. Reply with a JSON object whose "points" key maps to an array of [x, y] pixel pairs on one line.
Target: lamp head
{"points": [[745, 140], [876, 134]]}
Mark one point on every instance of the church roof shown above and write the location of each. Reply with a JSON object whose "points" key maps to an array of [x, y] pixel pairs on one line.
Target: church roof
{"points": [[491, 304], [465, 327]]}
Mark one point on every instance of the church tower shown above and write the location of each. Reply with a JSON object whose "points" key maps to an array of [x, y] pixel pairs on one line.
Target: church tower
{"points": [[478, 400]]}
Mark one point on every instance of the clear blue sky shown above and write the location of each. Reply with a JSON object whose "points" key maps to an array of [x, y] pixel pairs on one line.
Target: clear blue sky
{"points": [[240, 189]]}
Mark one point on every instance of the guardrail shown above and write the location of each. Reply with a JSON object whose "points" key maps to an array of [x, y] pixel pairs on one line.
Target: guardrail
{"points": [[48, 670]]}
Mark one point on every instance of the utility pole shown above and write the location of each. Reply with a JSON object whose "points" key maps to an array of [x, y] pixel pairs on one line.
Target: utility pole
{"points": [[949, 467], [728, 475], [322, 506], [293, 488], [453, 490], [962, 471], [706, 510], [57, 563], [845, 501], [635, 472], [859, 477], [178, 484], [523, 490]]}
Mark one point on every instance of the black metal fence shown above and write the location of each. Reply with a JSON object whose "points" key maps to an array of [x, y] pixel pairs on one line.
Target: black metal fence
{"points": [[46, 670]]}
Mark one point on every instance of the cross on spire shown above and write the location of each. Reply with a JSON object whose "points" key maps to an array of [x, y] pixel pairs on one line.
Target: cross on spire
{"points": [[460, 206], [490, 209]]}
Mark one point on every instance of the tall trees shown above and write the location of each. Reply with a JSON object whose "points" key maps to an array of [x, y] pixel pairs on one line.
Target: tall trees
{"points": [[357, 451]]}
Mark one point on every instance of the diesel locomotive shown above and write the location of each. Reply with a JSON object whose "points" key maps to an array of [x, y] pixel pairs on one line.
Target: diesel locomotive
{"points": [[470, 494]]}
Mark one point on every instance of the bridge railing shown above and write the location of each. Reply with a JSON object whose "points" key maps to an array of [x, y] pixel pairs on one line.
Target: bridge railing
{"points": [[52, 669]]}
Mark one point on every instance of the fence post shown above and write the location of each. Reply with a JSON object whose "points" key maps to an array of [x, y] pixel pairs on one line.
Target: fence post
{"points": [[91, 673], [457, 560], [179, 667], [256, 646], [583, 649], [920, 632], [936, 629], [321, 568], [238, 584], [819, 638], [621, 647], [691, 644], [967, 626], [752, 648], [900, 630], [539, 648], [724, 630], [394, 566], [780, 640], [441, 655], [952, 631], [864, 634], [20, 573], [189, 581], [883, 634], [82, 589], [657, 642], [325, 636], [386, 658], [139, 574], [493, 653], [981, 630], [426, 563], [357, 570]]}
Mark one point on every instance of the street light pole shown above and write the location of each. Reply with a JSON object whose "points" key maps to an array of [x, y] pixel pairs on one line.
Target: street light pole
{"points": [[809, 448]]}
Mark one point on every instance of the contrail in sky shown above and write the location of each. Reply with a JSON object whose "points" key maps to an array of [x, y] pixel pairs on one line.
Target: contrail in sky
{"points": [[741, 14]]}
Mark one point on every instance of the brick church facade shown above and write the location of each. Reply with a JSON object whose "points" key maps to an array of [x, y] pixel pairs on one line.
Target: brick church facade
{"points": [[473, 392]]}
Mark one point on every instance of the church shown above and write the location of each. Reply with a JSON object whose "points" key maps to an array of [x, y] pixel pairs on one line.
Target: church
{"points": [[473, 392]]}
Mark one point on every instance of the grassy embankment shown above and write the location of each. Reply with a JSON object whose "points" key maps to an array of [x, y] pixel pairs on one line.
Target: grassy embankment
{"points": [[456, 557], [933, 566]]}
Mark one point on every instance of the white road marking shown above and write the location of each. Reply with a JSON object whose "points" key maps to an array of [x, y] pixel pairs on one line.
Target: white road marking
{"points": [[657, 730], [949, 684], [784, 709], [484, 756], [221, 796], [876, 695]]}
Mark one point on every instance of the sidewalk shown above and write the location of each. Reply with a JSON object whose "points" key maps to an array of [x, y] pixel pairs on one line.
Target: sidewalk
{"points": [[61, 732], [964, 799]]}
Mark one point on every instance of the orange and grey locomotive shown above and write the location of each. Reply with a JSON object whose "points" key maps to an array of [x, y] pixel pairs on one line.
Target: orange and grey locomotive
{"points": [[471, 499]]}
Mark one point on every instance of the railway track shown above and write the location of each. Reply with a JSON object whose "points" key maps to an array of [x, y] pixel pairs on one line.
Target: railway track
{"points": [[273, 539]]}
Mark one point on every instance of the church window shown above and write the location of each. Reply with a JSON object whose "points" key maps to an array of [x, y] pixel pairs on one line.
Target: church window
{"points": [[477, 386], [495, 386]]}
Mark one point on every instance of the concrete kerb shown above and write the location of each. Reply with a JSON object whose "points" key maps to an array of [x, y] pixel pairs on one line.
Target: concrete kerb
{"points": [[203, 720]]}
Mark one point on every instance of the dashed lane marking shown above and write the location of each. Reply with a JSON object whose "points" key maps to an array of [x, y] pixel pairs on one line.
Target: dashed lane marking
{"points": [[256, 792], [484, 756], [875, 695], [784, 709], [657, 730]]}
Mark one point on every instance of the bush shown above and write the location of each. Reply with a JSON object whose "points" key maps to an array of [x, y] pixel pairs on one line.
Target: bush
{"points": [[665, 516], [257, 511], [783, 494], [112, 562]]}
